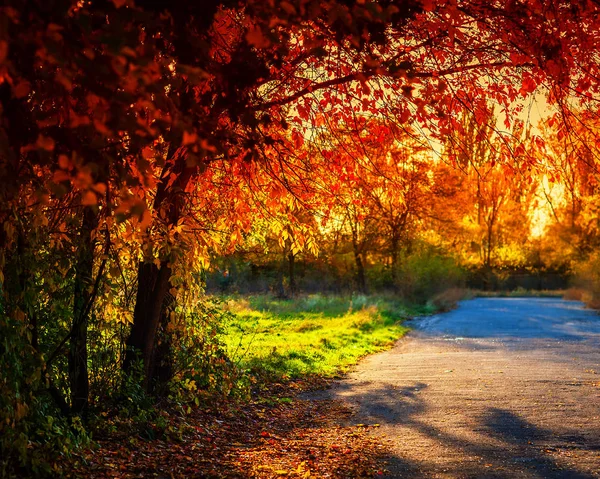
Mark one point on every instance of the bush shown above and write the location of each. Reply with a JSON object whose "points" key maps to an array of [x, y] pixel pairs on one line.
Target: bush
{"points": [[202, 368], [34, 436], [425, 274], [575, 294], [448, 299], [587, 282]]}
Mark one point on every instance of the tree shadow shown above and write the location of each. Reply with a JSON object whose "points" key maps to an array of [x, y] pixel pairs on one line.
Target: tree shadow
{"points": [[507, 319], [500, 444]]}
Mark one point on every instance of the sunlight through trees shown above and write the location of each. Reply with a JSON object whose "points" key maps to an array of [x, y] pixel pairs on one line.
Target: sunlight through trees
{"points": [[149, 150]]}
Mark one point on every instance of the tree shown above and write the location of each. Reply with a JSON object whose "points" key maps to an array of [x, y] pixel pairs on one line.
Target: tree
{"points": [[570, 161], [378, 183], [123, 106], [396, 183], [495, 197]]}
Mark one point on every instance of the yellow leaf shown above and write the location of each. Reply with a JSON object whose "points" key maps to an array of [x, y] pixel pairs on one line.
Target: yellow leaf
{"points": [[302, 470]]}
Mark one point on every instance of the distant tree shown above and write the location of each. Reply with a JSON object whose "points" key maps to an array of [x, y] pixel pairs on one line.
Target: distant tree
{"points": [[570, 159], [494, 199]]}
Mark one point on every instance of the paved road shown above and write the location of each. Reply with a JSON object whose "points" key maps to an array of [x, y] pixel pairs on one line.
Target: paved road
{"points": [[498, 388]]}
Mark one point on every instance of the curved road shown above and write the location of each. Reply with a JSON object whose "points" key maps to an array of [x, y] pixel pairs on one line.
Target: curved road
{"points": [[498, 388]]}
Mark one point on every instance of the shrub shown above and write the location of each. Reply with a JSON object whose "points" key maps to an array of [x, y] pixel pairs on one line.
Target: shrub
{"points": [[448, 299], [587, 282], [575, 294], [427, 273], [202, 368], [33, 434]]}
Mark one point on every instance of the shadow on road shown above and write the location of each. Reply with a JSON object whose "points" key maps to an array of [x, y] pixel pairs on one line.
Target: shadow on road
{"points": [[514, 318], [503, 445], [498, 388]]}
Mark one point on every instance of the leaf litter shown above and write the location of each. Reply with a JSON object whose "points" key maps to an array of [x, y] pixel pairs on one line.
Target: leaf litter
{"points": [[277, 434]]}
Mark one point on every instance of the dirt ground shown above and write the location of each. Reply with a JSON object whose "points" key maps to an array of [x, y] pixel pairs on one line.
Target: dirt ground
{"points": [[499, 388]]}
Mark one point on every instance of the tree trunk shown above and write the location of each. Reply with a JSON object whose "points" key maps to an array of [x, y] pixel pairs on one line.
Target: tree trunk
{"points": [[153, 286], [292, 272], [82, 297], [161, 363], [361, 281], [280, 287], [153, 280], [490, 237], [394, 253], [488, 255], [360, 272]]}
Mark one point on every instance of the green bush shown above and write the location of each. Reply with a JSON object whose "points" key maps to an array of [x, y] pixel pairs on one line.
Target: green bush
{"points": [[202, 368], [34, 437], [426, 273]]}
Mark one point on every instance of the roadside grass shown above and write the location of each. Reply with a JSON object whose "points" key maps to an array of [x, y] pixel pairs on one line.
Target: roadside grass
{"points": [[278, 339], [519, 293]]}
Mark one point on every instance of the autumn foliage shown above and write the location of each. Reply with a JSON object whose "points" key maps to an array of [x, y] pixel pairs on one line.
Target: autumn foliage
{"points": [[141, 141]]}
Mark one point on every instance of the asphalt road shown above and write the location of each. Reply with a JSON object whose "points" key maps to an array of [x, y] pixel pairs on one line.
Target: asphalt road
{"points": [[498, 388]]}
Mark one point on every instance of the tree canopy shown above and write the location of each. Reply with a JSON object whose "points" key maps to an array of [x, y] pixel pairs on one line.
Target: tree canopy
{"points": [[141, 138]]}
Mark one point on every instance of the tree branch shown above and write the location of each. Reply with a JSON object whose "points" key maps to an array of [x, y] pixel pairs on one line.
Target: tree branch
{"points": [[370, 73]]}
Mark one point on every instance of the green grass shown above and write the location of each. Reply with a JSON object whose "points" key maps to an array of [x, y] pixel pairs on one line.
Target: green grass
{"points": [[313, 334]]}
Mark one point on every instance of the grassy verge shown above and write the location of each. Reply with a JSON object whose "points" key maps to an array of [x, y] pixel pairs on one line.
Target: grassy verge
{"points": [[320, 335], [519, 293], [311, 335]]}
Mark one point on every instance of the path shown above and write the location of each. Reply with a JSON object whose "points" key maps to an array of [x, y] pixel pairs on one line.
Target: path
{"points": [[498, 388]]}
